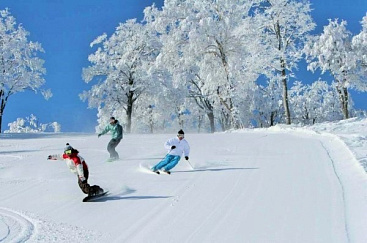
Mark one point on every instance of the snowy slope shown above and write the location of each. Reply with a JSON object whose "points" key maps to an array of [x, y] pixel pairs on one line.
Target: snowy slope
{"points": [[284, 184]]}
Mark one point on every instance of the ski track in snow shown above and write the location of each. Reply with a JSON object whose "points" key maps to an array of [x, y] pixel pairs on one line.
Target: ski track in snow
{"points": [[224, 201], [13, 157], [14, 227], [153, 215], [341, 186], [20, 227]]}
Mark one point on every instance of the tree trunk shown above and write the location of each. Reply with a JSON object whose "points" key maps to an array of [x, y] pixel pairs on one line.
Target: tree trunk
{"points": [[346, 103], [272, 118], [343, 98], [285, 94], [231, 119], [1, 120], [283, 74], [180, 121], [151, 120], [200, 122], [2, 107], [129, 111], [151, 128], [226, 121], [211, 121]]}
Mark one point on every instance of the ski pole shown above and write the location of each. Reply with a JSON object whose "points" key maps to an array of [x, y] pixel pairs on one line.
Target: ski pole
{"points": [[166, 154], [190, 164]]}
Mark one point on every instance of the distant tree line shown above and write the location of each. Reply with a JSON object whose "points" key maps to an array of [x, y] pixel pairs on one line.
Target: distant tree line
{"points": [[31, 124], [207, 65], [218, 65]]}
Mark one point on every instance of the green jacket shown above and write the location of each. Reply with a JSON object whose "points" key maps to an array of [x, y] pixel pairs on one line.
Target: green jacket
{"points": [[116, 130]]}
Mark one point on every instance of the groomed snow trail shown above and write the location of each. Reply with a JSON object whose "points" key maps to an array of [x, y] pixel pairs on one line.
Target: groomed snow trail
{"points": [[246, 187], [258, 188]]}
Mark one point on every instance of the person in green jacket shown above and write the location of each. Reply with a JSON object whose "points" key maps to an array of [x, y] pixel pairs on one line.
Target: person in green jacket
{"points": [[117, 134]]}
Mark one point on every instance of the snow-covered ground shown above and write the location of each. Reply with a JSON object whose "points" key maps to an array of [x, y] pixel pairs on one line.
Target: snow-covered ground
{"points": [[282, 184]]}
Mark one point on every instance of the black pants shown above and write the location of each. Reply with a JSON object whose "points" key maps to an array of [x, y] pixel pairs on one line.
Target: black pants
{"points": [[111, 148], [86, 188]]}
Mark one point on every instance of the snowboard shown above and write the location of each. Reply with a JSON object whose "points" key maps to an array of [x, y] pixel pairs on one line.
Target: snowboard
{"points": [[95, 197]]}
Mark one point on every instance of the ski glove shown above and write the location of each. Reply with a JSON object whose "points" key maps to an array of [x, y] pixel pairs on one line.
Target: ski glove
{"points": [[173, 147], [187, 157], [52, 157]]}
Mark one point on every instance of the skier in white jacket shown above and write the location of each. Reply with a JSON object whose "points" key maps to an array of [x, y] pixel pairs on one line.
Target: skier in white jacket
{"points": [[176, 147]]}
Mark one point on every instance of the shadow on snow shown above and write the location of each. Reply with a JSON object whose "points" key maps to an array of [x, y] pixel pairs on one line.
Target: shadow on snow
{"points": [[214, 170], [114, 198]]}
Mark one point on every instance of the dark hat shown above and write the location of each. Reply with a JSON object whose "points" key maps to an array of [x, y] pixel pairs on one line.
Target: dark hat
{"points": [[181, 132], [68, 149], [112, 118]]}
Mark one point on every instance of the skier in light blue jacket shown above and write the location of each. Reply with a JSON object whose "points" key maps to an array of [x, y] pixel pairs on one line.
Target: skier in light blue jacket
{"points": [[176, 147]]}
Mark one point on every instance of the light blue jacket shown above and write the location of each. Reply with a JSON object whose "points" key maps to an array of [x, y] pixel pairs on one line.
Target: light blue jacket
{"points": [[116, 130]]}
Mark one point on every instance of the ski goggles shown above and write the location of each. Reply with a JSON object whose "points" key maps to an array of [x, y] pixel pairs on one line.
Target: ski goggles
{"points": [[68, 151], [180, 135]]}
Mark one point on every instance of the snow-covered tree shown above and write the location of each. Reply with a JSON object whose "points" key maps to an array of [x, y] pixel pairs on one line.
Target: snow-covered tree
{"points": [[31, 124], [20, 68], [149, 114], [284, 26], [197, 93], [267, 105], [55, 126], [359, 44], [204, 48], [148, 117], [332, 52], [121, 66], [314, 103]]}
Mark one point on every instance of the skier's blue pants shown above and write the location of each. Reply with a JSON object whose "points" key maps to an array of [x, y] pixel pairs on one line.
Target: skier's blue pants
{"points": [[167, 163]]}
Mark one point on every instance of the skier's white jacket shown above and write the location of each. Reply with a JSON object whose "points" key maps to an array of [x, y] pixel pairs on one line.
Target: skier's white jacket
{"points": [[182, 147]]}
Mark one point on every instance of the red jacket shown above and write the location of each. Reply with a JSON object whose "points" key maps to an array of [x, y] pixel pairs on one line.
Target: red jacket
{"points": [[76, 159], [75, 162]]}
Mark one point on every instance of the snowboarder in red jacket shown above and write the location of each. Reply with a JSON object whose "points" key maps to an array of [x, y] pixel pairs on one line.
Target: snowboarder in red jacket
{"points": [[78, 166]]}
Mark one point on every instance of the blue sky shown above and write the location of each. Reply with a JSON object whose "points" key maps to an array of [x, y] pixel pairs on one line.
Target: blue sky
{"points": [[65, 28]]}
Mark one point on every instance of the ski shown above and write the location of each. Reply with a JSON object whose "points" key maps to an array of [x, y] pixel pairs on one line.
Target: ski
{"points": [[148, 169], [167, 172], [162, 172]]}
